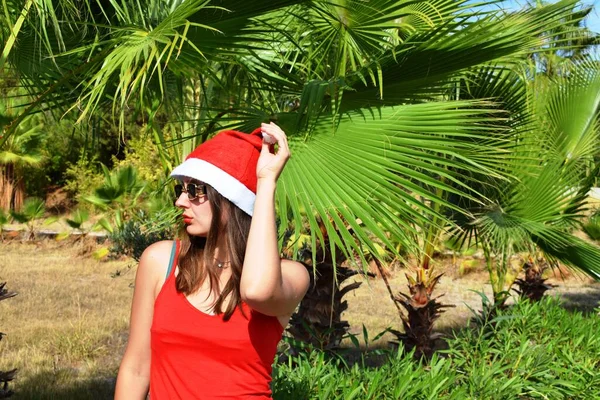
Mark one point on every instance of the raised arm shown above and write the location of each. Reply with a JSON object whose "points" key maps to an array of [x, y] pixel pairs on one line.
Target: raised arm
{"points": [[269, 284], [134, 373]]}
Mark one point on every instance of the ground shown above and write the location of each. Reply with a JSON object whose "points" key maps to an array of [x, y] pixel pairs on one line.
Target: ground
{"points": [[67, 327], [371, 304]]}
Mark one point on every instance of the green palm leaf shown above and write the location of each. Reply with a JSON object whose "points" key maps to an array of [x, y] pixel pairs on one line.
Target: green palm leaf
{"points": [[418, 65], [570, 113], [548, 197], [384, 167]]}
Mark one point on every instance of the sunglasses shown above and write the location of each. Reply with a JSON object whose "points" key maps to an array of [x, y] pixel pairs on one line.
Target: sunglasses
{"points": [[193, 190]]}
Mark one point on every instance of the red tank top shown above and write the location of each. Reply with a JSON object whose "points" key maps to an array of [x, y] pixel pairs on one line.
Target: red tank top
{"points": [[199, 356]]}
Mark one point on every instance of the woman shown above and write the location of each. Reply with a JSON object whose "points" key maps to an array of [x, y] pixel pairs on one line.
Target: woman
{"points": [[208, 311]]}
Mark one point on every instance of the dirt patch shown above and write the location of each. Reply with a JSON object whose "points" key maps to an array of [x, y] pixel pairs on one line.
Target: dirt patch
{"points": [[58, 201]]}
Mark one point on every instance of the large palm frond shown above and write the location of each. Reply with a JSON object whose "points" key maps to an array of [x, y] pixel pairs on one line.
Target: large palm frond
{"points": [[380, 171], [548, 197]]}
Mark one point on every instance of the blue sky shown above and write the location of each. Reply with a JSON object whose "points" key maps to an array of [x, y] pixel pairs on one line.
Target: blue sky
{"points": [[593, 21]]}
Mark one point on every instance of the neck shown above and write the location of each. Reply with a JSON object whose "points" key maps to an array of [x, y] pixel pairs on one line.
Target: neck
{"points": [[221, 253]]}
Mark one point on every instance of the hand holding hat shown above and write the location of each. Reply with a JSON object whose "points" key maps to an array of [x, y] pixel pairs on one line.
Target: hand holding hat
{"points": [[271, 164]]}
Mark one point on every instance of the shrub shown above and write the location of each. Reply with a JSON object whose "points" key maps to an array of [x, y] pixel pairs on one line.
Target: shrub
{"points": [[142, 154], [59, 147], [82, 177], [134, 235], [316, 377], [532, 350]]}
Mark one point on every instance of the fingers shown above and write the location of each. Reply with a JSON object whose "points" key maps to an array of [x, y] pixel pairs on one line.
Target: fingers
{"points": [[280, 137], [267, 147]]}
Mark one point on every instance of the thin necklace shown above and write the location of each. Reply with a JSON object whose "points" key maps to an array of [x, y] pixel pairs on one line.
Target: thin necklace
{"points": [[220, 264]]}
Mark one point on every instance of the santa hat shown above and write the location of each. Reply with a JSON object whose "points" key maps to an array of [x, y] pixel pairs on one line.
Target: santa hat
{"points": [[227, 162]]}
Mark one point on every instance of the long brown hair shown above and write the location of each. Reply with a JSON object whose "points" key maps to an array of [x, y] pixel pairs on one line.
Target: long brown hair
{"points": [[197, 256]]}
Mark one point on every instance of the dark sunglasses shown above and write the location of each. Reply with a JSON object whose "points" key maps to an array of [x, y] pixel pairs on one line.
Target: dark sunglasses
{"points": [[193, 190]]}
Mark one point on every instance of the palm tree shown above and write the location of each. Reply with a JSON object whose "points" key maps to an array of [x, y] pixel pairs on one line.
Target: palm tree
{"points": [[567, 43], [365, 91], [119, 194], [555, 139], [21, 149]]}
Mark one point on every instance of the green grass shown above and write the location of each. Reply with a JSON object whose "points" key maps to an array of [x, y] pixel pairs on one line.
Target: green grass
{"points": [[531, 351]]}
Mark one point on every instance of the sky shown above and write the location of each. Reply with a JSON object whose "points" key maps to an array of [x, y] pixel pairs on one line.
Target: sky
{"points": [[592, 22]]}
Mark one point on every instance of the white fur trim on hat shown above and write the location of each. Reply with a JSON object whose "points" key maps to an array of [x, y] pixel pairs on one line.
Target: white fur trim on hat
{"points": [[228, 186]]}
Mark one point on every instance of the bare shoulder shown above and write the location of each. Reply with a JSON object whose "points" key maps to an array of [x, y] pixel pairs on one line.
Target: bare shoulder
{"points": [[155, 259]]}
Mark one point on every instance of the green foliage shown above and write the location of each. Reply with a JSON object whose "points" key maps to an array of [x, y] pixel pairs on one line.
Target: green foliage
{"points": [[316, 68], [533, 351], [4, 220], [135, 215], [33, 210], [83, 177], [558, 133], [78, 218], [592, 226], [134, 235], [86, 175], [381, 101], [119, 192], [142, 154], [63, 144]]}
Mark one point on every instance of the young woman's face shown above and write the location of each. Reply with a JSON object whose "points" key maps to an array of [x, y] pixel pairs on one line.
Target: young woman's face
{"points": [[197, 213]]}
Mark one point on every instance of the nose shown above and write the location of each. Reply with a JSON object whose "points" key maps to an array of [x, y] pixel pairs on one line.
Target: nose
{"points": [[182, 201]]}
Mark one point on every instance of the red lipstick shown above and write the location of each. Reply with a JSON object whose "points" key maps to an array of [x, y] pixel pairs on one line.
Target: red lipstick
{"points": [[187, 220]]}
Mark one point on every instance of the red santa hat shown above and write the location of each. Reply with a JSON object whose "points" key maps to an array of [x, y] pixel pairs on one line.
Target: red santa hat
{"points": [[227, 162]]}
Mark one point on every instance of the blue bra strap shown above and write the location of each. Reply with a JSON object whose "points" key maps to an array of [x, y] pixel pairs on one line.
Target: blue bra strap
{"points": [[172, 259]]}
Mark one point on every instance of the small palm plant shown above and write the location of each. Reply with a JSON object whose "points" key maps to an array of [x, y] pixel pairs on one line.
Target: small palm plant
{"points": [[77, 221], [118, 195], [556, 134], [534, 286], [422, 311], [33, 210]]}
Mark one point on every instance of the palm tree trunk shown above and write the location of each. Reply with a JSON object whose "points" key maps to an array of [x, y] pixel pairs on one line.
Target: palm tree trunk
{"points": [[18, 194], [6, 186]]}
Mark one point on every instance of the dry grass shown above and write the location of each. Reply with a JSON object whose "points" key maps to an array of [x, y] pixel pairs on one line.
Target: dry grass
{"points": [[67, 328]]}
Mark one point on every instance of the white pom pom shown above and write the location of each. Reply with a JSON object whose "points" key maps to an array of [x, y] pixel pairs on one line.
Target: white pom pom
{"points": [[268, 138]]}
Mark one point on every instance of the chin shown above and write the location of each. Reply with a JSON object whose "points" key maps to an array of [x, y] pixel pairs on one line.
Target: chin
{"points": [[195, 231]]}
